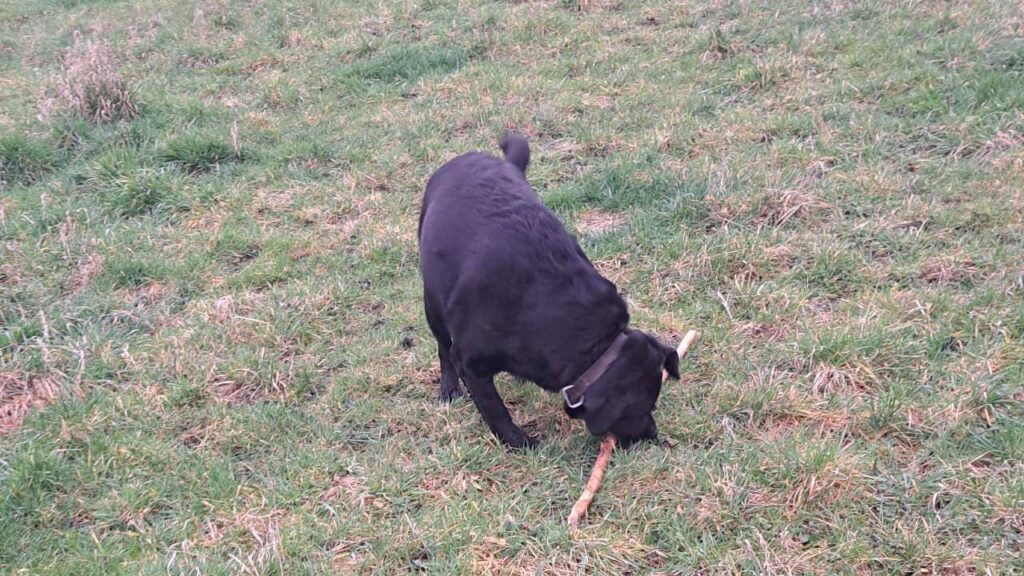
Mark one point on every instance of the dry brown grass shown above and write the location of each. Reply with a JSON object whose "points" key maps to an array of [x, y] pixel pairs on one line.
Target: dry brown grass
{"points": [[948, 269], [21, 393], [349, 488], [255, 536], [827, 379], [5, 204], [841, 479], [763, 331], [1002, 141], [771, 209], [8, 275], [778, 209], [782, 554], [590, 553], [722, 212], [243, 386], [89, 85], [86, 271], [618, 269], [596, 222]]}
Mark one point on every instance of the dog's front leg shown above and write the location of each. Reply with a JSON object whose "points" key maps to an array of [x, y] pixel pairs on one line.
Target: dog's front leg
{"points": [[495, 414]]}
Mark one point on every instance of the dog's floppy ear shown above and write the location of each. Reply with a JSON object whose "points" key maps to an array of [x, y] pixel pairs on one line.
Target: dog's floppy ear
{"points": [[671, 358], [671, 364]]}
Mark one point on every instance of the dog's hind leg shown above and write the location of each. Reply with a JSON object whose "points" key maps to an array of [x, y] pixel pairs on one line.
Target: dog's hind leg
{"points": [[448, 388]]}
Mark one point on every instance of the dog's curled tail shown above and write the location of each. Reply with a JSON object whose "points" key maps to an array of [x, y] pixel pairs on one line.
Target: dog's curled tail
{"points": [[516, 150]]}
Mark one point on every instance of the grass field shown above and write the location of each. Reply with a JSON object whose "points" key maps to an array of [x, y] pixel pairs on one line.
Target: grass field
{"points": [[213, 358]]}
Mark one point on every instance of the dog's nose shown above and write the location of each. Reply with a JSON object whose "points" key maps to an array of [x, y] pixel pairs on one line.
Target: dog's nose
{"points": [[647, 433]]}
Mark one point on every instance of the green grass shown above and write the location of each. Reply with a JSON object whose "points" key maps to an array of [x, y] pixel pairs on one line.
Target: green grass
{"points": [[212, 352], [23, 160]]}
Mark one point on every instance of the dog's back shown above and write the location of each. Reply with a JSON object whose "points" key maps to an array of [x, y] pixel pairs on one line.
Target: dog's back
{"points": [[478, 181], [472, 194], [478, 198], [482, 223]]}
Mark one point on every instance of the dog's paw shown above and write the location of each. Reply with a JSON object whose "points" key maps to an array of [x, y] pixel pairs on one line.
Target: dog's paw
{"points": [[522, 442], [449, 390]]}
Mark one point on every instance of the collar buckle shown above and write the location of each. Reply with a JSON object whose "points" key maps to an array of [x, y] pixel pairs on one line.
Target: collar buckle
{"points": [[568, 402]]}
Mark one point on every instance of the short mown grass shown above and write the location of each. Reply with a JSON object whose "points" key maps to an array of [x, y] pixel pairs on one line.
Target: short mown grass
{"points": [[212, 352]]}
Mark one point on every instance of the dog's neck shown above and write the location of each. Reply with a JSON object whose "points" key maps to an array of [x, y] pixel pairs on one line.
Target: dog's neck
{"points": [[591, 339], [585, 358]]}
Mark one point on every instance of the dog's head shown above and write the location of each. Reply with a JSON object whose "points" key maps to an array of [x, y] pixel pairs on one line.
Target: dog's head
{"points": [[622, 400]]}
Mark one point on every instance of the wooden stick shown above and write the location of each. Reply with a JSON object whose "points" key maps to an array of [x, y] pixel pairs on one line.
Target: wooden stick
{"points": [[684, 347], [604, 455]]}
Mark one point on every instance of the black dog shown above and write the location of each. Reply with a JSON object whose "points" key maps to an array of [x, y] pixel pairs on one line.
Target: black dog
{"points": [[507, 289]]}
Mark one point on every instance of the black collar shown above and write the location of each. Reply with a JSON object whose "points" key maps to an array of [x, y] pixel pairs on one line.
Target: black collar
{"points": [[573, 393]]}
